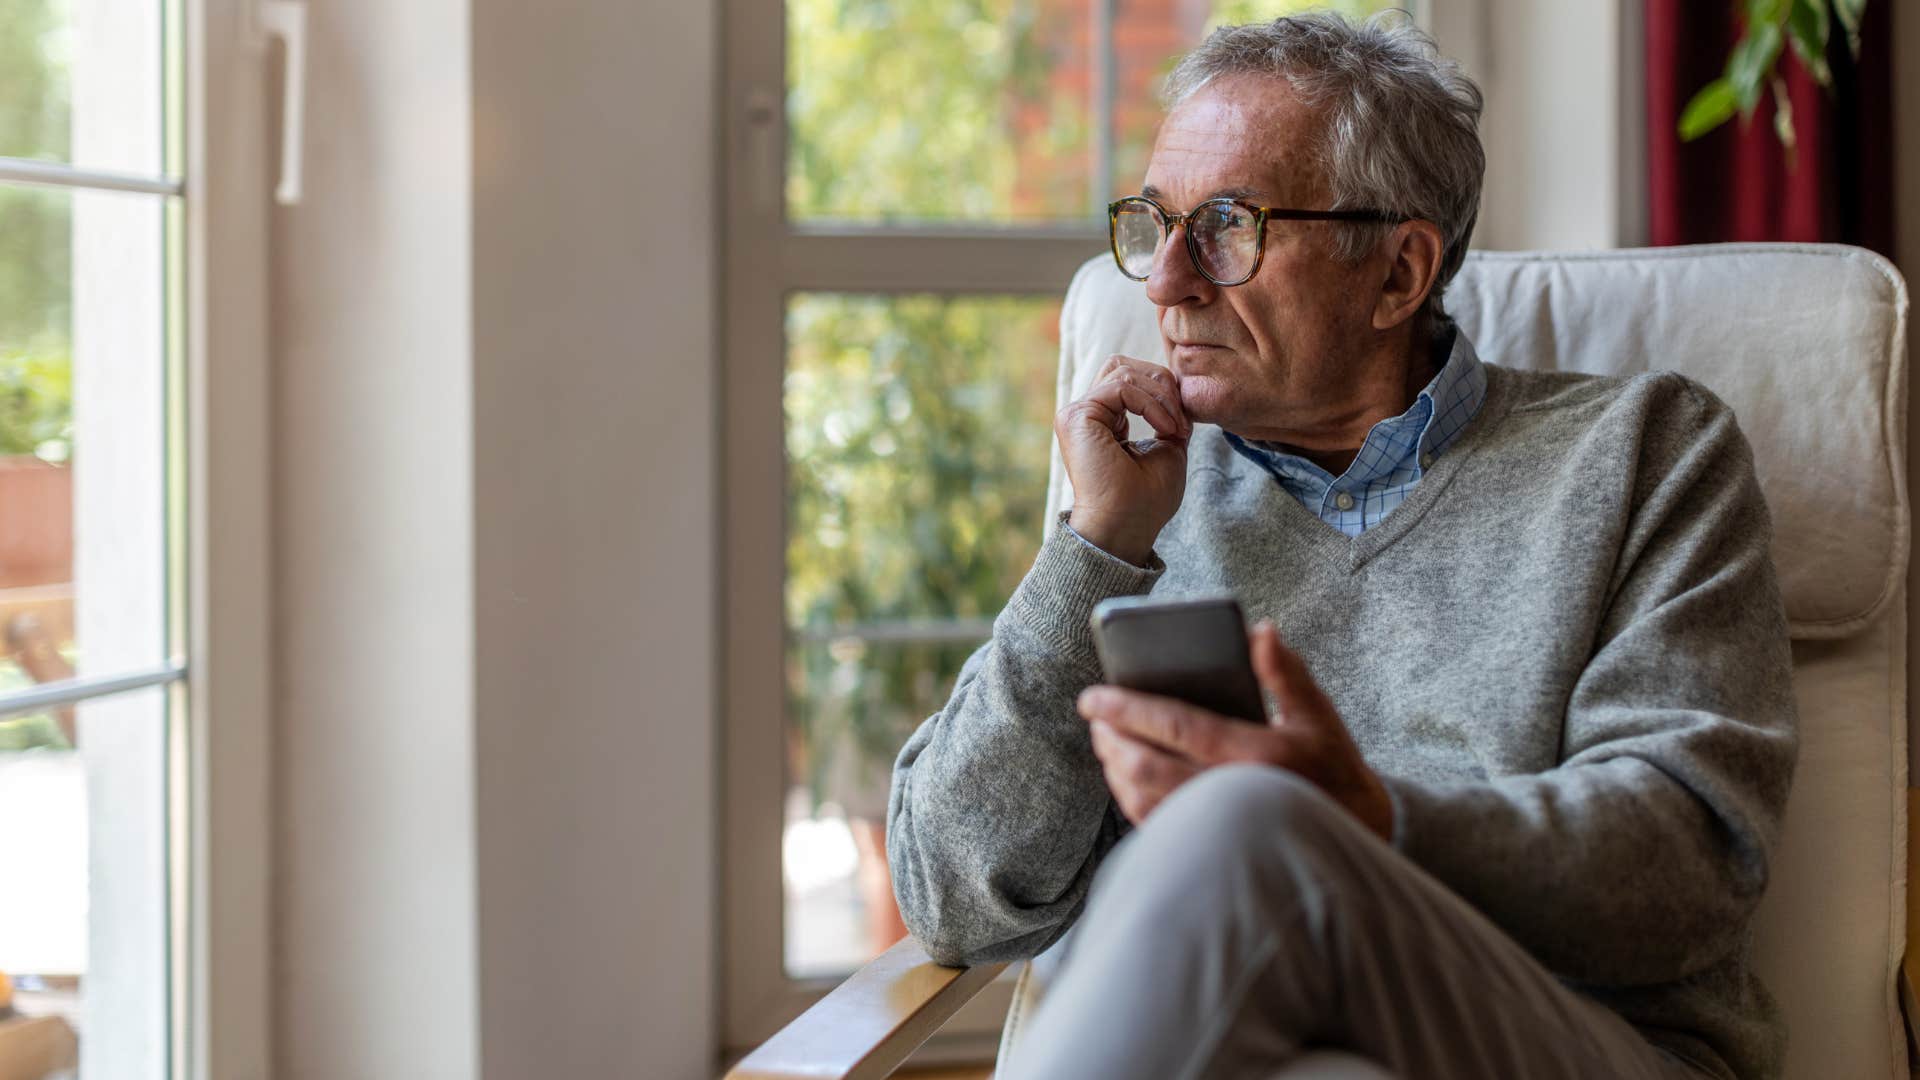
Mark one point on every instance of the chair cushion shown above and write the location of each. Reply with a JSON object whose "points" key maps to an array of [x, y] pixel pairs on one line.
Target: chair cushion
{"points": [[1804, 341]]}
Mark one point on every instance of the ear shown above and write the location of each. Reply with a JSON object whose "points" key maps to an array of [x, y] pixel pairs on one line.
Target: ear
{"points": [[1414, 251]]}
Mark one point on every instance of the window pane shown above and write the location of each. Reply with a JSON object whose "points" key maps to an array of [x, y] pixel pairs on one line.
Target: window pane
{"points": [[83, 916], [80, 82], [82, 554], [917, 433], [1150, 36], [938, 110], [982, 111]]}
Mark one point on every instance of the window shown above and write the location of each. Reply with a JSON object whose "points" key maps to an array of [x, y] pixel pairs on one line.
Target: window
{"points": [[90, 518], [113, 365], [911, 186]]}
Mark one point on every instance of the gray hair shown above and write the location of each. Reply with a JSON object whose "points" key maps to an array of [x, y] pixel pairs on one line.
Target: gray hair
{"points": [[1402, 124]]}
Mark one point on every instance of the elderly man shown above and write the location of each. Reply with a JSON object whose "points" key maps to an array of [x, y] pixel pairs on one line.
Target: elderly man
{"points": [[1533, 731]]}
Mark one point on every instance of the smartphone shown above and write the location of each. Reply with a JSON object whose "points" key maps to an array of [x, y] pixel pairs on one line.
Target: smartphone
{"points": [[1194, 650]]}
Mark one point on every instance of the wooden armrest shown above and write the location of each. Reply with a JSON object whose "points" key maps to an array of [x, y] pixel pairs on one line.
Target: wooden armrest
{"points": [[36, 1046], [866, 1026]]}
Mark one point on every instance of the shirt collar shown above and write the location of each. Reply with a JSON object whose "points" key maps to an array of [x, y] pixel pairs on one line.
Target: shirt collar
{"points": [[1434, 422]]}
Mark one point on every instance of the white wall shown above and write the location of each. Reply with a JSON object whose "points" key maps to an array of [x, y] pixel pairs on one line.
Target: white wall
{"points": [[1562, 126], [373, 511], [596, 453], [495, 531]]}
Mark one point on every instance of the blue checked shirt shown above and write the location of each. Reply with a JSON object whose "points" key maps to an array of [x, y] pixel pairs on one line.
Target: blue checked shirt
{"points": [[1398, 451]]}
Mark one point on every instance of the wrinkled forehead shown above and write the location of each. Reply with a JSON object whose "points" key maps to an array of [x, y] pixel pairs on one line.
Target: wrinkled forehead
{"points": [[1248, 137]]}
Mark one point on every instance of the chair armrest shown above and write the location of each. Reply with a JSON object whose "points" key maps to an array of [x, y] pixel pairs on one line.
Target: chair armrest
{"points": [[33, 1046], [865, 1027]]}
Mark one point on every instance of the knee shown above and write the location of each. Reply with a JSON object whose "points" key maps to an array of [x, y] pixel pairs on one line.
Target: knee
{"points": [[1246, 805], [1241, 821]]}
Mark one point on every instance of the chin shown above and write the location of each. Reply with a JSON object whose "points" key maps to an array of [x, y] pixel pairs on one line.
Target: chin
{"points": [[1205, 399]]}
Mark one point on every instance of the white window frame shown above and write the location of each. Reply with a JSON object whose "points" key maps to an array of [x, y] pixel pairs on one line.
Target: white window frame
{"points": [[218, 761], [765, 260], [227, 1022]]}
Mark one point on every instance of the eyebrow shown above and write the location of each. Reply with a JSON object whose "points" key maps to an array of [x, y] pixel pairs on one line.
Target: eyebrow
{"points": [[1245, 193]]}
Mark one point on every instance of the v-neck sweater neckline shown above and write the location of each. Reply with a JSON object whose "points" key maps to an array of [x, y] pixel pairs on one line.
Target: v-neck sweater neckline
{"points": [[1350, 553]]}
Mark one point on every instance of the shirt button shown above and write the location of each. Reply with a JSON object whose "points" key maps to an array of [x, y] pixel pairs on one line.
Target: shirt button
{"points": [[1343, 500], [1426, 461]]}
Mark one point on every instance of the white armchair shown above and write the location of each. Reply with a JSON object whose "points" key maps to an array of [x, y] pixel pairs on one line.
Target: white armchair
{"points": [[1808, 344]]}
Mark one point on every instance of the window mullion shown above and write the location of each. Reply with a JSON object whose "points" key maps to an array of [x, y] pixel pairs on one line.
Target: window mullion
{"points": [[65, 692], [937, 261], [47, 174], [1100, 182]]}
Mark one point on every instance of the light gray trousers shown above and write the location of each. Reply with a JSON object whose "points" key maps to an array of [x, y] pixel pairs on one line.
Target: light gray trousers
{"points": [[1253, 928]]}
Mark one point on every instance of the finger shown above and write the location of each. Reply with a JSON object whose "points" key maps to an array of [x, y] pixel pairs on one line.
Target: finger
{"points": [[1138, 775], [1165, 722], [1159, 382], [1283, 674], [1121, 391], [1113, 361], [1155, 379], [1109, 416], [1159, 375], [1167, 422]]}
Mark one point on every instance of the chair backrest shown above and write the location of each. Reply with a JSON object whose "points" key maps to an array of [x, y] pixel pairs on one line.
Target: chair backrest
{"points": [[1807, 343]]}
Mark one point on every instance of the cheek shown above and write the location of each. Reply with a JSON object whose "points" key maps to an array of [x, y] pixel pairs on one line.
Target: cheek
{"points": [[1295, 326]]}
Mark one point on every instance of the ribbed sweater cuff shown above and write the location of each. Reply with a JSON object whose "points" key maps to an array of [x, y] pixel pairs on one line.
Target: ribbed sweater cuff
{"points": [[1069, 577]]}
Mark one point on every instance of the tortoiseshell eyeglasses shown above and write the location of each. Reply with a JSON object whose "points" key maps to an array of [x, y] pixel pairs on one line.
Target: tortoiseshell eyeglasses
{"points": [[1225, 237]]}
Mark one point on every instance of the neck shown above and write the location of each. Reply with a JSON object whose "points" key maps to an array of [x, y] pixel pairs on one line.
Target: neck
{"points": [[1396, 376]]}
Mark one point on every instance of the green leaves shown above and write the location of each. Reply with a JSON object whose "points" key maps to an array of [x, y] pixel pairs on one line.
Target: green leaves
{"points": [[1850, 12], [1807, 28], [36, 401], [1752, 62], [1752, 66], [1714, 105]]}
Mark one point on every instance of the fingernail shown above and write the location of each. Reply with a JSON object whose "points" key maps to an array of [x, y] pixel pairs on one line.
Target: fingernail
{"points": [[1093, 698]]}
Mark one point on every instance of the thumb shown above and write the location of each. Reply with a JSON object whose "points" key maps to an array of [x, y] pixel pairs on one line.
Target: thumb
{"points": [[1283, 674]]}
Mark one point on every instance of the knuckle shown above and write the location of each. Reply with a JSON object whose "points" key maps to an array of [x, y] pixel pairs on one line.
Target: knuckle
{"points": [[1180, 727], [1102, 747], [1076, 410]]}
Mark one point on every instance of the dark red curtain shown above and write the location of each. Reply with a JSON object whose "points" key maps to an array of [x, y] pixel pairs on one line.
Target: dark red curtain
{"points": [[1736, 183]]}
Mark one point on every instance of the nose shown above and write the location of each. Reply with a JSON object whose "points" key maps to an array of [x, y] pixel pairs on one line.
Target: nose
{"points": [[1174, 279]]}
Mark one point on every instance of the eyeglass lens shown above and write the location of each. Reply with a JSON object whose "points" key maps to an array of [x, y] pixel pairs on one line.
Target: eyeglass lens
{"points": [[1137, 233], [1225, 238]]}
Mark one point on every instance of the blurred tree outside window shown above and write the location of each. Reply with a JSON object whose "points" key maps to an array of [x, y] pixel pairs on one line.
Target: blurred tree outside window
{"points": [[918, 426], [36, 346]]}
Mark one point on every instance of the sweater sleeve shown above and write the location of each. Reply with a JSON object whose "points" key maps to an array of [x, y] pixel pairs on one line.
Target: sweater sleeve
{"points": [[998, 815], [1640, 858]]}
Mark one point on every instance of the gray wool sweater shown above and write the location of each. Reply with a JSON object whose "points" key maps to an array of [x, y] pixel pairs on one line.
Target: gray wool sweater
{"points": [[1565, 654]]}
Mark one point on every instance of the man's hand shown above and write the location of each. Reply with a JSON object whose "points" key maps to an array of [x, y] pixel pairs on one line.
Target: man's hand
{"points": [[1150, 745], [1124, 493]]}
